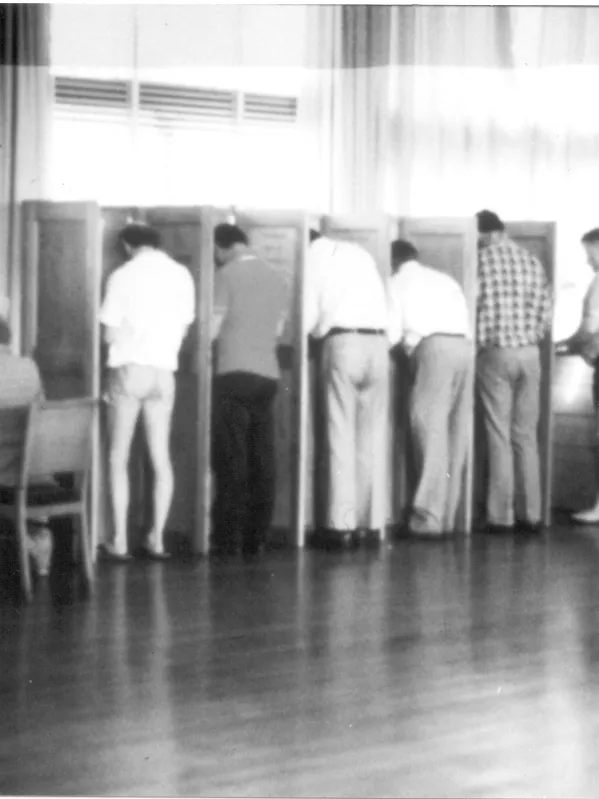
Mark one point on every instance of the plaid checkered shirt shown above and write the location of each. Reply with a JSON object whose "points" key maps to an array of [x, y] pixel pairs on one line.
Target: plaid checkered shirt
{"points": [[515, 305]]}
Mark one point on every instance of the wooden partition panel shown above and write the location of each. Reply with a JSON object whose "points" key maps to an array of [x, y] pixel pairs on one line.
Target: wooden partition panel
{"points": [[449, 245], [374, 234], [187, 236], [539, 239], [61, 296], [574, 435], [281, 239]]}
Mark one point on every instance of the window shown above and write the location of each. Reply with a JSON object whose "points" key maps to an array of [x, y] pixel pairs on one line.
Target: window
{"points": [[188, 124]]}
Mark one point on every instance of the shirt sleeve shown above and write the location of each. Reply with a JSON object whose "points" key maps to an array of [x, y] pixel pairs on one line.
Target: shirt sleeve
{"points": [[112, 311], [545, 300], [188, 310], [590, 317], [311, 293], [395, 323]]}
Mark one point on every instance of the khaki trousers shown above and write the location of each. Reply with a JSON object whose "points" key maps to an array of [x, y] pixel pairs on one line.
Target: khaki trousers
{"points": [[355, 374], [441, 421], [509, 382]]}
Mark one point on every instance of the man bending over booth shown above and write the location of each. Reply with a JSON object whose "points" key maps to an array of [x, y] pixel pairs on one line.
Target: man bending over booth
{"points": [[429, 317], [149, 305]]}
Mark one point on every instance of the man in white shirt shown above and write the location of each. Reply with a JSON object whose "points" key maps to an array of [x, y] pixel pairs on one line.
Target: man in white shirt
{"points": [[148, 307], [346, 307], [429, 318], [585, 342]]}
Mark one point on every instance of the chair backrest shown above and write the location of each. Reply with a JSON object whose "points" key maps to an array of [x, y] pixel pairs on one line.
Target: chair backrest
{"points": [[58, 437]]}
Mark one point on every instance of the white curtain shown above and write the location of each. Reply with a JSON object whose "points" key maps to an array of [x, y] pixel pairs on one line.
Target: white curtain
{"points": [[445, 110]]}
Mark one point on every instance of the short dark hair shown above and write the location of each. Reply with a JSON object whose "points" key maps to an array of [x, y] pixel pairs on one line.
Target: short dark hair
{"points": [[489, 222], [314, 235], [138, 235], [591, 236], [227, 236], [5, 334], [402, 251]]}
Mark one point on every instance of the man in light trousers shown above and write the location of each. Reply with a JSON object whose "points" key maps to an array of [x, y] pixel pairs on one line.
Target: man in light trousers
{"points": [[346, 309], [514, 315]]}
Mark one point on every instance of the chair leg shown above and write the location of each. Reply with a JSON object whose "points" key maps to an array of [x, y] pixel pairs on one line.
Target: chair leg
{"points": [[24, 567], [85, 551]]}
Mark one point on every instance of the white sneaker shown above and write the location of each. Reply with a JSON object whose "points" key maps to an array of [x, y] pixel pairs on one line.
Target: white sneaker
{"points": [[590, 516]]}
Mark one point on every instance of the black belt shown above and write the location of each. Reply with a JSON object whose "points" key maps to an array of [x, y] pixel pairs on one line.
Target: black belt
{"points": [[360, 331], [447, 335]]}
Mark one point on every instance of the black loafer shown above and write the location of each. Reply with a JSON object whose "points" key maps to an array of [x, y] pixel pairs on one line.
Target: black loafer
{"points": [[152, 554], [530, 528]]}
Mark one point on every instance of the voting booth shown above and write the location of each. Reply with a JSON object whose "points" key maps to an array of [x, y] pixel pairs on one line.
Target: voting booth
{"points": [[70, 249], [449, 245]]}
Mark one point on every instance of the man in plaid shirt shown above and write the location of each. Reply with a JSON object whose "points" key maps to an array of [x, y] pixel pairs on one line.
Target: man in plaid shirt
{"points": [[514, 315]]}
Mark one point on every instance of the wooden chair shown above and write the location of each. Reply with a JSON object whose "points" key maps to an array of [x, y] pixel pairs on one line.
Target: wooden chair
{"points": [[57, 441]]}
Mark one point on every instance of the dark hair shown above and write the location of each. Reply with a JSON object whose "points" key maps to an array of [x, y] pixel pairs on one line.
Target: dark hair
{"points": [[227, 236], [591, 237], [137, 235], [489, 222], [5, 334], [314, 235], [402, 251]]}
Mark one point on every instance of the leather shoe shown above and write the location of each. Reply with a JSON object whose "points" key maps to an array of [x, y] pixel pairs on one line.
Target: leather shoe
{"points": [[368, 538], [499, 529], [530, 528], [333, 540]]}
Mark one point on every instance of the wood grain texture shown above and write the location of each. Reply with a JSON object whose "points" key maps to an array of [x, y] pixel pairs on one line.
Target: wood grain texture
{"points": [[463, 669]]}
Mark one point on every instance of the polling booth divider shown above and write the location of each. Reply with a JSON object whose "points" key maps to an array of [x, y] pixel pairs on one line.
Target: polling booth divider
{"points": [[69, 249], [281, 239], [60, 295], [539, 239]]}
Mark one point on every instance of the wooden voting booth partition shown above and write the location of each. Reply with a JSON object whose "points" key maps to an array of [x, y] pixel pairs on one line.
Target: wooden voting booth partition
{"points": [[281, 238], [539, 239], [574, 434], [60, 292], [69, 251], [449, 245]]}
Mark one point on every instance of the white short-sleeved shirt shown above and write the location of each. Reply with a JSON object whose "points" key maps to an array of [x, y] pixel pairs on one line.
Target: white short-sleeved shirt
{"points": [[344, 288], [424, 301], [150, 301]]}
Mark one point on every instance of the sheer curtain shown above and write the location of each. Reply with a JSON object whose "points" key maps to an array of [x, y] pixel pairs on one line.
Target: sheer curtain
{"points": [[444, 110], [25, 104]]}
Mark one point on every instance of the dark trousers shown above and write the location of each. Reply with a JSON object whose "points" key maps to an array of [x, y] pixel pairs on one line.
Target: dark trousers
{"points": [[243, 460]]}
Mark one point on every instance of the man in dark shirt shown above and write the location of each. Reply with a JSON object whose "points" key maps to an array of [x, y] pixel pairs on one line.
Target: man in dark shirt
{"points": [[514, 315], [251, 304]]}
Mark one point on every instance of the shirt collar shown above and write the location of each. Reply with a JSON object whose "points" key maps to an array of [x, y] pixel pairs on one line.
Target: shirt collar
{"points": [[408, 268]]}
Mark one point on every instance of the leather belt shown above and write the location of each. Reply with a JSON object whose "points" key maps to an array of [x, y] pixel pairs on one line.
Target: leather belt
{"points": [[360, 331]]}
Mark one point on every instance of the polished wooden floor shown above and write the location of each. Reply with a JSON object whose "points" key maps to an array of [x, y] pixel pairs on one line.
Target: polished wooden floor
{"points": [[454, 669]]}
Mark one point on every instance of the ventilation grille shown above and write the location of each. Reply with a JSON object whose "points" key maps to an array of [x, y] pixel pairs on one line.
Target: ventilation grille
{"points": [[268, 108], [166, 105], [169, 106]]}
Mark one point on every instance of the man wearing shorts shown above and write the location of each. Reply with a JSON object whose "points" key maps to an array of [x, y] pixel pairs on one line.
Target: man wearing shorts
{"points": [[148, 307]]}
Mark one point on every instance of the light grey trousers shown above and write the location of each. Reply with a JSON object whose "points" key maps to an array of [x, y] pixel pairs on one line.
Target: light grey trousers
{"points": [[355, 373], [509, 384], [441, 422]]}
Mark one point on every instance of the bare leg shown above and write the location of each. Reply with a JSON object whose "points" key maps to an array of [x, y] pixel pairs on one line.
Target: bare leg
{"points": [[123, 417], [157, 418]]}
